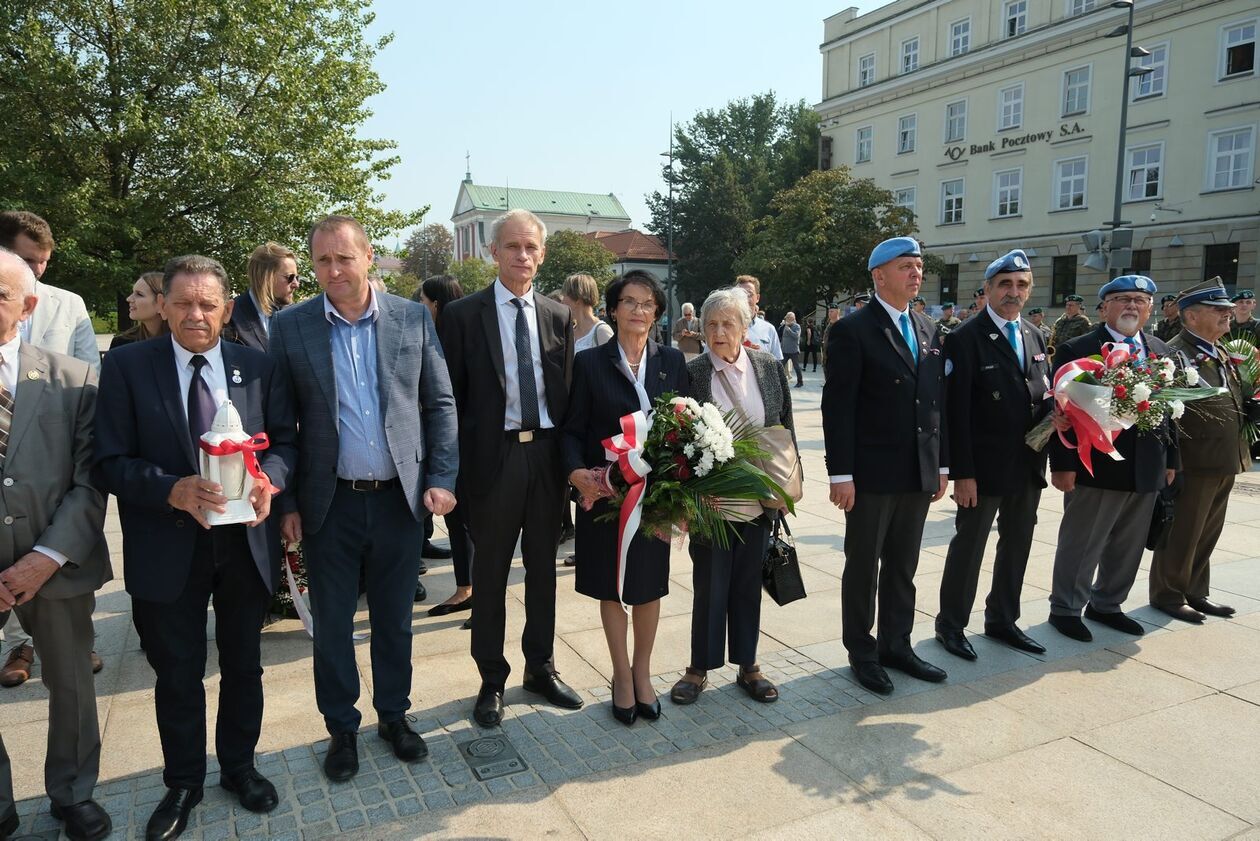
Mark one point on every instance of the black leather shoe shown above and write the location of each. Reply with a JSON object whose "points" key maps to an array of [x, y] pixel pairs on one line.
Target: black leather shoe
{"points": [[1116, 620], [407, 744], [1014, 637], [650, 711], [444, 609], [1184, 612], [956, 643], [436, 553], [1211, 608], [84, 821], [489, 709], [626, 715], [171, 815], [872, 675], [9, 826], [423, 568], [551, 687], [913, 665], [421, 593], [1071, 626], [467, 626], [342, 761], [255, 791]]}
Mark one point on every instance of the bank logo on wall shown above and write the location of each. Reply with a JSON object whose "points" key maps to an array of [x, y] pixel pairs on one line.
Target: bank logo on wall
{"points": [[958, 153]]}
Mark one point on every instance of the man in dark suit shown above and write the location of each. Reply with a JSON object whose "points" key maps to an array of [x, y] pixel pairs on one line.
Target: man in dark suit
{"points": [[1106, 516], [886, 458], [273, 279], [513, 476], [157, 399], [1213, 451], [376, 452], [997, 379], [53, 556]]}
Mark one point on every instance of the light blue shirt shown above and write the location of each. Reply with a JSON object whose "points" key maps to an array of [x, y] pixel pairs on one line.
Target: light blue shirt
{"points": [[763, 334], [362, 449]]}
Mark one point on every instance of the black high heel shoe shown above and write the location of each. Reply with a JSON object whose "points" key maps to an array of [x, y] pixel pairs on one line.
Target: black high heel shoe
{"points": [[626, 715], [650, 711]]}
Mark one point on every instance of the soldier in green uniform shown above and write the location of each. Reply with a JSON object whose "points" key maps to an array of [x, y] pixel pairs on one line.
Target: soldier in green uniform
{"points": [[1170, 324], [919, 304], [1037, 317], [1245, 325], [948, 321], [1071, 324]]}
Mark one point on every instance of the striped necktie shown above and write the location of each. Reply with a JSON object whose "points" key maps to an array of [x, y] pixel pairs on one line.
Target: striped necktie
{"points": [[6, 418]]}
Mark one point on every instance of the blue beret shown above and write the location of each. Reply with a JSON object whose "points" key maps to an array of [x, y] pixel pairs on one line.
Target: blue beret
{"points": [[1012, 261], [891, 249], [1128, 283], [1211, 293]]}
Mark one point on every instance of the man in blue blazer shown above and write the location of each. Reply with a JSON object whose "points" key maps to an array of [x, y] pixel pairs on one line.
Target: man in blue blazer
{"points": [[157, 398], [377, 451]]}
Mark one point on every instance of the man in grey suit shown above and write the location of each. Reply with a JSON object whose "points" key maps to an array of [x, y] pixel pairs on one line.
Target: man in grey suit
{"points": [[377, 451], [53, 557]]}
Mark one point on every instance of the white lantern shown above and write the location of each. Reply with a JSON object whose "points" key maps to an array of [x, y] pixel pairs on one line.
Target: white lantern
{"points": [[228, 471]]}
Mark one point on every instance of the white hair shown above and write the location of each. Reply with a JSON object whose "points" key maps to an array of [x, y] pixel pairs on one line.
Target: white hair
{"points": [[11, 262], [689, 307], [733, 298], [517, 215]]}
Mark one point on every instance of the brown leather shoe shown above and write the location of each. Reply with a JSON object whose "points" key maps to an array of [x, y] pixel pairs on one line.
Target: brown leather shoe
{"points": [[97, 663], [17, 669]]}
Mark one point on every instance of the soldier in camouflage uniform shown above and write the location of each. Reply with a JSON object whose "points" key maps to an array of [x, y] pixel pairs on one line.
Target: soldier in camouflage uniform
{"points": [[1072, 323], [948, 321], [1170, 324], [1037, 317], [1245, 325]]}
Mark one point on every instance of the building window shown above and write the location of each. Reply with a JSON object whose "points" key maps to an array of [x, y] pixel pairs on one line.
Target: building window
{"points": [[1141, 261], [905, 197], [1076, 91], [1154, 83], [1145, 179], [1069, 184], [907, 128], [956, 121], [1014, 17], [1062, 279], [1011, 107], [949, 284], [1079, 7], [959, 37], [952, 195], [910, 55], [1238, 50], [863, 145], [1222, 261], [1229, 158], [1008, 186], [866, 70]]}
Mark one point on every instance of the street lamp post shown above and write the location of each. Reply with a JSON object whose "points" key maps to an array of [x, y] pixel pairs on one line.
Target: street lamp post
{"points": [[1123, 242], [669, 246]]}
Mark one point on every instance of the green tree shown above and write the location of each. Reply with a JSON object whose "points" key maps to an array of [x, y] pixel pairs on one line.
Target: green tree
{"points": [[145, 129], [815, 242], [728, 164], [569, 252], [473, 274], [428, 251]]}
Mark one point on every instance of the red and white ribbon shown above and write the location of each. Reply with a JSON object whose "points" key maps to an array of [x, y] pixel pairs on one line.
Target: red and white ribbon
{"points": [[1094, 429], [247, 449], [625, 450]]}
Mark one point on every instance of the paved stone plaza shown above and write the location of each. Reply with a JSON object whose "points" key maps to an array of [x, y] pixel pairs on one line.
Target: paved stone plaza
{"points": [[1157, 737]]}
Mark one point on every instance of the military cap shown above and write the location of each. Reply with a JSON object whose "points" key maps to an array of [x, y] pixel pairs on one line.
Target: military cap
{"points": [[862, 298], [1167, 298], [1243, 295], [1128, 283], [891, 249], [1012, 261], [1075, 299], [947, 305], [1036, 311], [918, 299], [1209, 292], [978, 292]]}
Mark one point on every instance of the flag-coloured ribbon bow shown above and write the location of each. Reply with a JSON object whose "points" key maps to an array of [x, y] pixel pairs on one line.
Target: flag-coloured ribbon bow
{"points": [[625, 450]]}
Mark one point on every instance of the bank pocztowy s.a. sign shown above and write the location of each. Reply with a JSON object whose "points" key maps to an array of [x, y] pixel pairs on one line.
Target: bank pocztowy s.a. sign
{"points": [[1014, 141]]}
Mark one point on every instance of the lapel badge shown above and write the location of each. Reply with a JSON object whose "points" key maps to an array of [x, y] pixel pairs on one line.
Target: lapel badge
{"points": [[997, 395], [1040, 357], [32, 375], [236, 376], [993, 336], [661, 376]]}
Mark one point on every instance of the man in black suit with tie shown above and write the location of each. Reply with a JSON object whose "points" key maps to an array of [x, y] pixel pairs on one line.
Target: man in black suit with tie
{"points": [[997, 378], [886, 459], [511, 475], [1106, 515], [157, 399]]}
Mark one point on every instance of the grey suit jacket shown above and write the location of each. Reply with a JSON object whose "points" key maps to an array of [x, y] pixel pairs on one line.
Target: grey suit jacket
{"points": [[416, 401], [46, 496], [61, 324]]}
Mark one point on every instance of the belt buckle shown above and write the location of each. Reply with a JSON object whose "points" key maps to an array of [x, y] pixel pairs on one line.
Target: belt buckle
{"points": [[525, 436], [363, 485]]}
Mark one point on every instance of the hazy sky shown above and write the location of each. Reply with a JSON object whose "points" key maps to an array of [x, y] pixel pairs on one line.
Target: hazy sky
{"points": [[574, 95]]}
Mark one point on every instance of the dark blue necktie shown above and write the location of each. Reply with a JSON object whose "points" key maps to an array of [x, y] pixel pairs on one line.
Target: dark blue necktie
{"points": [[908, 335], [525, 370], [201, 406]]}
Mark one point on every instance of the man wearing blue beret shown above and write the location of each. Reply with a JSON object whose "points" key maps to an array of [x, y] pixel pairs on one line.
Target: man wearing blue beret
{"points": [[1071, 324], [1106, 515], [998, 374], [886, 453]]}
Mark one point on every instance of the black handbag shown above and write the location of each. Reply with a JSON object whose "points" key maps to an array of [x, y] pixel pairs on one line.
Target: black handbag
{"points": [[780, 571]]}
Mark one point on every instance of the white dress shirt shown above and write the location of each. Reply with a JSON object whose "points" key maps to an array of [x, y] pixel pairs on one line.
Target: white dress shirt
{"points": [[763, 334], [506, 311], [212, 373], [1001, 323], [1120, 338]]}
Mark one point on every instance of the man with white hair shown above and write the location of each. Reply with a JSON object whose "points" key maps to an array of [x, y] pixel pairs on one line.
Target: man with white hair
{"points": [[687, 332]]}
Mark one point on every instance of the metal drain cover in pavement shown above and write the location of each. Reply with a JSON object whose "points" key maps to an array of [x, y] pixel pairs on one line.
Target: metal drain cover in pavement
{"points": [[492, 756]]}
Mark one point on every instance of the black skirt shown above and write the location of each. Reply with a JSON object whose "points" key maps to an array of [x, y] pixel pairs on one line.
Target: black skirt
{"points": [[647, 564]]}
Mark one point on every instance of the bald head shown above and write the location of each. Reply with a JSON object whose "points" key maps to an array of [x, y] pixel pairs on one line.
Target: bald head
{"points": [[16, 273], [17, 294]]}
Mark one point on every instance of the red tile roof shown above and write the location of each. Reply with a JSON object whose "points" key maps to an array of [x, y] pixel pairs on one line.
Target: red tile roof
{"points": [[631, 245]]}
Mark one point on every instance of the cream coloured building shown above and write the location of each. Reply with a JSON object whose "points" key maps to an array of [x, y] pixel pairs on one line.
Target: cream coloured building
{"points": [[997, 121]]}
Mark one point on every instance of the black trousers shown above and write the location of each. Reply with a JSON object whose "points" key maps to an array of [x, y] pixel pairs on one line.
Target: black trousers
{"points": [[811, 350], [1016, 517], [174, 639], [374, 531], [726, 606], [523, 501], [881, 544]]}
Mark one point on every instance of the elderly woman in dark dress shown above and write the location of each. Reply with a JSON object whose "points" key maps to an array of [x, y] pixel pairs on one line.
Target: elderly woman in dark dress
{"points": [[615, 379]]}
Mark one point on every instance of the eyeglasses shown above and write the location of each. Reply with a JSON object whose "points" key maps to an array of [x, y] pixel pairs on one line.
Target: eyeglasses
{"points": [[637, 306], [1130, 300]]}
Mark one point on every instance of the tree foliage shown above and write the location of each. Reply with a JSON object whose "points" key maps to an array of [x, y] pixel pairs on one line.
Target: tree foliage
{"points": [[729, 164], [569, 252], [144, 129], [429, 251], [814, 243], [473, 274]]}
